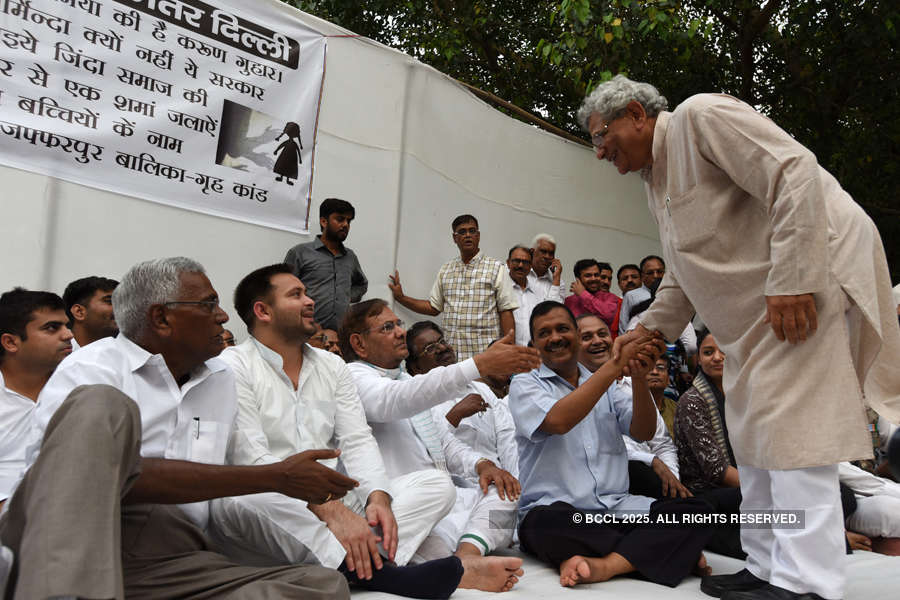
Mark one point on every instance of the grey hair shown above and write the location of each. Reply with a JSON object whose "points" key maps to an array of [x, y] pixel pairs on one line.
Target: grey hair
{"points": [[611, 97], [150, 282], [518, 247], [542, 236]]}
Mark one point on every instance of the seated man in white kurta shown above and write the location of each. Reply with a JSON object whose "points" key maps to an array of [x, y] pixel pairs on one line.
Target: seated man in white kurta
{"points": [[478, 419], [398, 409], [34, 339], [292, 397]]}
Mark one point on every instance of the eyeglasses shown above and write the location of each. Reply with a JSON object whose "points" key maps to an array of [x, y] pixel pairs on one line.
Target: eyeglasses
{"points": [[464, 232], [597, 137], [322, 337], [209, 305], [433, 347], [520, 261], [386, 328], [229, 341]]}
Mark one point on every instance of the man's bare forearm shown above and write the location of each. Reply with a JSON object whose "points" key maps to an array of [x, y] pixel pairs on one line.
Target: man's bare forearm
{"points": [[423, 307], [507, 322], [643, 411], [164, 481], [575, 406]]}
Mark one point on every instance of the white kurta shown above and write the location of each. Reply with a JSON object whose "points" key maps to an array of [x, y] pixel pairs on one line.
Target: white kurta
{"points": [[745, 211]]}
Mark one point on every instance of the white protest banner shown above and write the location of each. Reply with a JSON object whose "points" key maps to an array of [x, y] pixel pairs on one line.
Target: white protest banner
{"points": [[209, 106]]}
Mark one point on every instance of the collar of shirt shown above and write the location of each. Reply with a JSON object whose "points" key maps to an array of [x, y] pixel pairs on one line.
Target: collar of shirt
{"points": [[19, 398], [276, 361], [545, 372], [137, 358], [318, 244], [547, 275], [397, 373], [528, 287], [475, 260]]}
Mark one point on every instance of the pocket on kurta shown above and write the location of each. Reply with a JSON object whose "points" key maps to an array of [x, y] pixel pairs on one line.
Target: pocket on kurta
{"points": [[208, 442], [691, 221], [609, 440]]}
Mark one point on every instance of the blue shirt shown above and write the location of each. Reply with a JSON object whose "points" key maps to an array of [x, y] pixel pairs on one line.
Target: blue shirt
{"points": [[586, 467]]}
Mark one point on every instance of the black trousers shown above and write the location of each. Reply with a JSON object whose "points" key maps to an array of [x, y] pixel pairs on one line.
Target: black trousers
{"points": [[662, 554], [726, 539], [643, 480]]}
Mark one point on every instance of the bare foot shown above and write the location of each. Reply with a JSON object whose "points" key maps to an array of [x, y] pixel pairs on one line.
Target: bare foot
{"points": [[490, 573], [581, 569], [702, 569], [574, 570]]}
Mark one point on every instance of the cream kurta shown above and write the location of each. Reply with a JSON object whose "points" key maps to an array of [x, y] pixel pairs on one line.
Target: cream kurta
{"points": [[745, 211]]}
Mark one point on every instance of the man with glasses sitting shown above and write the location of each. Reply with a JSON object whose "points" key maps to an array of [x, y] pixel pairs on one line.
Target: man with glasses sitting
{"points": [[133, 433], [398, 408], [472, 291], [292, 397], [479, 419]]}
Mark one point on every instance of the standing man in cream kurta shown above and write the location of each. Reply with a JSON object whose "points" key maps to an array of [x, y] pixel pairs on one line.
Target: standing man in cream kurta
{"points": [[769, 250]]}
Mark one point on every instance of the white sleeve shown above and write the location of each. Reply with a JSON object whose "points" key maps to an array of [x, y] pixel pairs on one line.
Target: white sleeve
{"points": [[249, 442], [461, 458], [359, 451], [507, 448], [386, 400], [637, 450], [661, 445], [689, 339]]}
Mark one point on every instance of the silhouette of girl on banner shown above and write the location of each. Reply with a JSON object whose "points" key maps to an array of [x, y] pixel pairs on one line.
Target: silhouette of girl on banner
{"points": [[288, 153]]}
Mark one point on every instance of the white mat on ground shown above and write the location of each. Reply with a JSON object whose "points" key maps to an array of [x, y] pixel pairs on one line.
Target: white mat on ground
{"points": [[870, 576]]}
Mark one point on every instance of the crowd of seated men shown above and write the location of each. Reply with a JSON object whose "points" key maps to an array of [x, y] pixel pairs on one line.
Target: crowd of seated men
{"points": [[147, 453]]}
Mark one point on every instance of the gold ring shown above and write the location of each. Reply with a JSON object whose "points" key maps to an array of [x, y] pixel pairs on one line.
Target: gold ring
{"points": [[328, 497]]}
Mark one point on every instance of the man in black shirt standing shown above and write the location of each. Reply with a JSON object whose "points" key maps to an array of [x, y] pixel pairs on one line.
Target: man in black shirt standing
{"points": [[329, 270]]}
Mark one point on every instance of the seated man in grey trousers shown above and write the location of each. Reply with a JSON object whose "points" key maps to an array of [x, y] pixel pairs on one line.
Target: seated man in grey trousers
{"points": [[122, 430]]}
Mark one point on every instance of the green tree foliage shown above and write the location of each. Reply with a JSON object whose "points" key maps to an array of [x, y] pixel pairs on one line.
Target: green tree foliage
{"points": [[824, 70]]}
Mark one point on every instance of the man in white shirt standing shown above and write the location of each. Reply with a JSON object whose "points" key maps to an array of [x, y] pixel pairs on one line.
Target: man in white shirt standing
{"points": [[653, 268], [519, 262], [292, 397], [546, 269], [398, 407], [34, 339], [131, 426]]}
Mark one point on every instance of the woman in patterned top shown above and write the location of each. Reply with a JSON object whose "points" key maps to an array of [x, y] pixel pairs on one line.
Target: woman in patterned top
{"points": [[705, 459]]}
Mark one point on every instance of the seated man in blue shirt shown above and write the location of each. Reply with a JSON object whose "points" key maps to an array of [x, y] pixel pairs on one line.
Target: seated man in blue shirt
{"points": [[574, 469]]}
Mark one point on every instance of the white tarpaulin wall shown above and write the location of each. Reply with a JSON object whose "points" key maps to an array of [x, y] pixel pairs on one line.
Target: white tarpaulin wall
{"points": [[409, 147]]}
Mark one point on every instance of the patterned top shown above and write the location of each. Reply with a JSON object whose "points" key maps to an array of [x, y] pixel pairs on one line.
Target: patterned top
{"points": [[471, 297], [700, 438]]}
